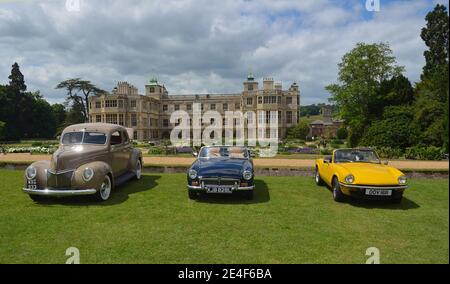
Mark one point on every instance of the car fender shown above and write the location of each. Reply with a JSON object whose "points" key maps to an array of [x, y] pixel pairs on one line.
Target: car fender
{"points": [[135, 155], [41, 173], [101, 169]]}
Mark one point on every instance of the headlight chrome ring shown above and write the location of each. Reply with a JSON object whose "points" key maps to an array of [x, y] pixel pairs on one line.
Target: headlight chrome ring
{"points": [[192, 174], [402, 180], [350, 178], [247, 175], [31, 172], [88, 174]]}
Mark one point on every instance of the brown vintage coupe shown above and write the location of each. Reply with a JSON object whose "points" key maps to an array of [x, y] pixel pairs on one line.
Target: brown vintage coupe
{"points": [[92, 159]]}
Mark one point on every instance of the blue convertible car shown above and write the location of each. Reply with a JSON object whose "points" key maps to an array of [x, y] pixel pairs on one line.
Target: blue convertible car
{"points": [[221, 170]]}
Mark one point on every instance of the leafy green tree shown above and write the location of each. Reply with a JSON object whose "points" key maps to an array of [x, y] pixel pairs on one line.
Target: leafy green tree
{"points": [[361, 73], [396, 129], [342, 133], [75, 114], [435, 36], [2, 130], [299, 131], [78, 92], [431, 106]]}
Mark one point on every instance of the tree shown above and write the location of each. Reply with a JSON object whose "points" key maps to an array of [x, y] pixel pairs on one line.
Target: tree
{"points": [[299, 131], [75, 114], [361, 73], [431, 106], [435, 36], [342, 133], [2, 130], [396, 129], [78, 92], [17, 82]]}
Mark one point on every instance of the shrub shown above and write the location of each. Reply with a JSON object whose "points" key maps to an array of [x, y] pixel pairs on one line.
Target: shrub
{"points": [[326, 151], [36, 144], [424, 153], [342, 133], [389, 152]]}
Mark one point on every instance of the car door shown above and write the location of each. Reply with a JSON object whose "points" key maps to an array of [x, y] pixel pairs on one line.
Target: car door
{"points": [[327, 169], [117, 149], [127, 152]]}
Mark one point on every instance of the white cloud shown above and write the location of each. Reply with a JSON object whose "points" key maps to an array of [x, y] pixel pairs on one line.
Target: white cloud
{"points": [[200, 46]]}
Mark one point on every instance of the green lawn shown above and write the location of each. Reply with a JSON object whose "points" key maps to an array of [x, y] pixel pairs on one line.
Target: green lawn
{"points": [[290, 221]]}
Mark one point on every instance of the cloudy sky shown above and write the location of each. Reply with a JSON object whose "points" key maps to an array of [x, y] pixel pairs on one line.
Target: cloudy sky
{"points": [[200, 46]]}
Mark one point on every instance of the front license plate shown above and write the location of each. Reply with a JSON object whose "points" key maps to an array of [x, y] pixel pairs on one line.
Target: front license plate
{"points": [[218, 189], [32, 184], [379, 192]]}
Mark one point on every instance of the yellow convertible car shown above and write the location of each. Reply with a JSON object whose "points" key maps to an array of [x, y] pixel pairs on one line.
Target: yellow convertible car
{"points": [[360, 173]]}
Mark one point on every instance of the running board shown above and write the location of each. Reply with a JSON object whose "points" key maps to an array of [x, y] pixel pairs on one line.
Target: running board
{"points": [[120, 180]]}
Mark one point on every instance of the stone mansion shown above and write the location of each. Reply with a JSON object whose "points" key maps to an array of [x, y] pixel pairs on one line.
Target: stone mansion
{"points": [[149, 114]]}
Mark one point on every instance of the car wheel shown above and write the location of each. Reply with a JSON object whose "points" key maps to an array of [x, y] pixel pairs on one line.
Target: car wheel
{"points": [[104, 191], [317, 178], [37, 198], [337, 193], [138, 170], [248, 195], [192, 195]]}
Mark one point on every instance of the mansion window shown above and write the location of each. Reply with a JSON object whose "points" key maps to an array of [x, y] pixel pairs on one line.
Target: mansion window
{"points": [[122, 119], [152, 89], [98, 104], [237, 106], [279, 100], [111, 103], [270, 99], [213, 106], [225, 106], [289, 117], [249, 101], [189, 107], [98, 118], [165, 107], [177, 107], [133, 119], [250, 87], [133, 103], [165, 123], [250, 117], [121, 103], [111, 118], [289, 100], [260, 100], [135, 135], [279, 116]]}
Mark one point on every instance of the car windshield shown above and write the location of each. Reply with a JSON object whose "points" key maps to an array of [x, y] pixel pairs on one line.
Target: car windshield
{"points": [[356, 156], [217, 152], [83, 137]]}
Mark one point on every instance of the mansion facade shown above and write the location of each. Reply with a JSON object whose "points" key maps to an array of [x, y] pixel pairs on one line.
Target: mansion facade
{"points": [[149, 114]]}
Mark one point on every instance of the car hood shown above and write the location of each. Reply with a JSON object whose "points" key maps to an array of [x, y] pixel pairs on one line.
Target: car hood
{"points": [[73, 156], [372, 174], [221, 167]]}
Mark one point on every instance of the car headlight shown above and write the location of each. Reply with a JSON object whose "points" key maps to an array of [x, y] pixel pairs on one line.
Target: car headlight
{"points": [[349, 179], [192, 174], [402, 180], [30, 172], [247, 175], [88, 173]]}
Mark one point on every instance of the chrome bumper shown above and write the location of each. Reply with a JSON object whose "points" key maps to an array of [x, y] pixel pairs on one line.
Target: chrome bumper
{"points": [[60, 193], [373, 187], [239, 188]]}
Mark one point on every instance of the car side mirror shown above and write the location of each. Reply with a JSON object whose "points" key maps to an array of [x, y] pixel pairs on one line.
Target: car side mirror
{"points": [[252, 154], [386, 163], [195, 154]]}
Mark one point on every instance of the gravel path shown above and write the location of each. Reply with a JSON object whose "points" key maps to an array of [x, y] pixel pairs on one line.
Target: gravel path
{"points": [[258, 162]]}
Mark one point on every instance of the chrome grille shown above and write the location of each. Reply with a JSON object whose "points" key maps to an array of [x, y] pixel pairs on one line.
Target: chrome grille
{"points": [[59, 180]]}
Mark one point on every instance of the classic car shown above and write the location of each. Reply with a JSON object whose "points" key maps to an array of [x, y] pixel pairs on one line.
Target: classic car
{"points": [[221, 170], [360, 173], [92, 159]]}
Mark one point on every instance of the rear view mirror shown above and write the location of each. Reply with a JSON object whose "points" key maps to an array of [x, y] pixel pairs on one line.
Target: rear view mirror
{"points": [[195, 154]]}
